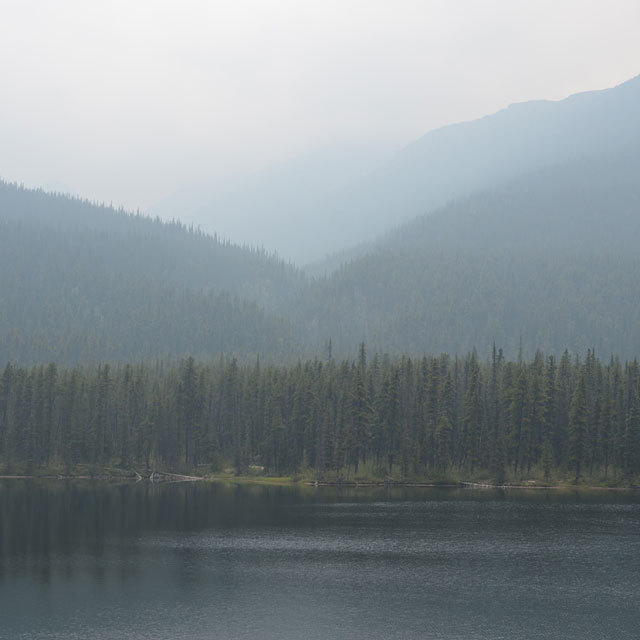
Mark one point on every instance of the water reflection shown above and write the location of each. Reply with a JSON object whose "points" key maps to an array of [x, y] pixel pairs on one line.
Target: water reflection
{"points": [[199, 560]]}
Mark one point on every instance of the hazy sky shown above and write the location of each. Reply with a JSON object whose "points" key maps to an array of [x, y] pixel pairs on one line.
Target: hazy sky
{"points": [[126, 101]]}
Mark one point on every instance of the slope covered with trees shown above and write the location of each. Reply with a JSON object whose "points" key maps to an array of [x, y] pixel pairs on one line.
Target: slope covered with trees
{"points": [[85, 283], [170, 253], [549, 260]]}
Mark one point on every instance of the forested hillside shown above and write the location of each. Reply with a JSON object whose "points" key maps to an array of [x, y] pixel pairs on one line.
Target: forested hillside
{"points": [[434, 417], [169, 253], [549, 261], [85, 283]]}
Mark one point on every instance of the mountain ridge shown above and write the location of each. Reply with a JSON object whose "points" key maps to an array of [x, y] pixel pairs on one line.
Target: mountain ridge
{"points": [[546, 258], [510, 263], [459, 159]]}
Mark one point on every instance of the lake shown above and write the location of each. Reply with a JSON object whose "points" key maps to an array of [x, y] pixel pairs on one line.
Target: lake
{"points": [[208, 560]]}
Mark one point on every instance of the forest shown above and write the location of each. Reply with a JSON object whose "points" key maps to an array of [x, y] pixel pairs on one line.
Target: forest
{"points": [[437, 418]]}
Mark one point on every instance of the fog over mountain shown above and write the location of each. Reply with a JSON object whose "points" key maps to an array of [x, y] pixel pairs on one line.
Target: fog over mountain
{"points": [[329, 202], [276, 208], [454, 161], [129, 104]]}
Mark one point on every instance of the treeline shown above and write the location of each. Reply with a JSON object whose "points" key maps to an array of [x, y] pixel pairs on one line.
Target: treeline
{"points": [[378, 417]]}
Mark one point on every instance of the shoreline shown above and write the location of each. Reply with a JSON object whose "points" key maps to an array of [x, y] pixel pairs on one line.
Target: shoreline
{"points": [[171, 478], [476, 486]]}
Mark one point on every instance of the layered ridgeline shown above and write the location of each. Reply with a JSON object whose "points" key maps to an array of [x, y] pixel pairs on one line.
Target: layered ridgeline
{"points": [[334, 200], [548, 261], [438, 418], [86, 283]]}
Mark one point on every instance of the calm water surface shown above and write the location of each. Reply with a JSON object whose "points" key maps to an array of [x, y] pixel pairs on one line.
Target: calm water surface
{"points": [[91, 560]]}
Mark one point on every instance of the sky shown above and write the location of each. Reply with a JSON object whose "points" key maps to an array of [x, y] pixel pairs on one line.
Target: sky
{"points": [[129, 101]]}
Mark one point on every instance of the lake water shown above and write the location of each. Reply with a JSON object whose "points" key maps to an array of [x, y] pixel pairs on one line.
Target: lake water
{"points": [[198, 560]]}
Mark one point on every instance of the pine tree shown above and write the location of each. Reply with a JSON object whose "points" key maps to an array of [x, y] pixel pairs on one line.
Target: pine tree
{"points": [[473, 413], [632, 436], [578, 417]]}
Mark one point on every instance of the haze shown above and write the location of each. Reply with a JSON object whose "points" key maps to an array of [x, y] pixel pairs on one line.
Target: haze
{"points": [[132, 102]]}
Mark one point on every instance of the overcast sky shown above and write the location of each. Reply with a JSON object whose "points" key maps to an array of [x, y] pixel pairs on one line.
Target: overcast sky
{"points": [[127, 101]]}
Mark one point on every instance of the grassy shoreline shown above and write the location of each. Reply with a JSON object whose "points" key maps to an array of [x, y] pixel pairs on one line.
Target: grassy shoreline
{"points": [[361, 482]]}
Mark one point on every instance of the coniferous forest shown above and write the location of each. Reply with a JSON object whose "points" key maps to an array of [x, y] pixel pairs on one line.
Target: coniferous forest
{"points": [[433, 418]]}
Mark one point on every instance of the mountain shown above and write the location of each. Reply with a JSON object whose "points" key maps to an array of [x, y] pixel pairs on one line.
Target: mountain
{"points": [[85, 283], [461, 159], [549, 260], [305, 216], [540, 251], [546, 261], [171, 253]]}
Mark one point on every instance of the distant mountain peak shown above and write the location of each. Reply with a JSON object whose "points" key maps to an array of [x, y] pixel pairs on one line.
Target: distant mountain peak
{"points": [[311, 208]]}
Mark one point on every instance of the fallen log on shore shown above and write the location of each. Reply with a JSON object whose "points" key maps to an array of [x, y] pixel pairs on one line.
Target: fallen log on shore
{"points": [[164, 476]]}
